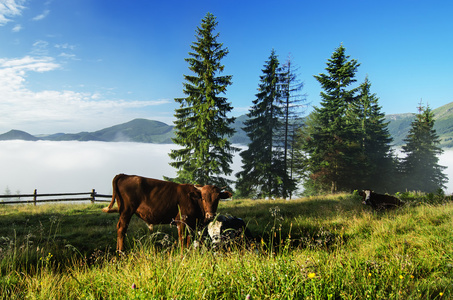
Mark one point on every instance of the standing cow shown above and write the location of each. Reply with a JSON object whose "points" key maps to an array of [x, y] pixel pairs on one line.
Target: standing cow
{"points": [[162, 202], [379, 201]]}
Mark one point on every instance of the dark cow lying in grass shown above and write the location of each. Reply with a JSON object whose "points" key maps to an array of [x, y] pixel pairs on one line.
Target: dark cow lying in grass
{"points": [[379, 201], [224, 230]]}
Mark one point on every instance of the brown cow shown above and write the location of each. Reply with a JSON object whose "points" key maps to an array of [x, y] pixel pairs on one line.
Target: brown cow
{"points": [[379, 201], [162, 202]]}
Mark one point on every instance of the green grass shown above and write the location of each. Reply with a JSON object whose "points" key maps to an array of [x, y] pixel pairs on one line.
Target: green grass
{"points": [[329, 247]]}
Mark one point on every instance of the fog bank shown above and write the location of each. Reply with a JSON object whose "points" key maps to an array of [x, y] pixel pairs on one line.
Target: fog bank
{"points": [[63, 167]]}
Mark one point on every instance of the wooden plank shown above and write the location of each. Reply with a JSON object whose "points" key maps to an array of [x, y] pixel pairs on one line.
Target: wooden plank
{"points": [[45, 195], [35, 197], [51, 200], [103, 196]]}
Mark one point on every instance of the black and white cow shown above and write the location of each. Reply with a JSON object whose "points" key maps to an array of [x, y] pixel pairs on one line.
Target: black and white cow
{"points": [[379, 201], [224, 230]]}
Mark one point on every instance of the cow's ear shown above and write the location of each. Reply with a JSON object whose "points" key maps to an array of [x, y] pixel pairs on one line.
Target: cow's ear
{"points": [[225, 195], [195, 195]]}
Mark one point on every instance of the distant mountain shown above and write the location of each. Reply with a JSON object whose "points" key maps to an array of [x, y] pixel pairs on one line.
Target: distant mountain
{"points": [[149, 131], [240, 137], [17, 135], [444, 124], [138, 130], [401, 123]]}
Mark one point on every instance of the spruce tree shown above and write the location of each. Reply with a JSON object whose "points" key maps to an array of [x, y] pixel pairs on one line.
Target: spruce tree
{"points": [[304, 166], [421, 171], [263, 173], [328, 146], [374, 164], [292, 105], [202, 127]]}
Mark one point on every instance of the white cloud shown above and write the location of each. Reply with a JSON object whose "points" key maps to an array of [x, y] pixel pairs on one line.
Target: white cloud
{"points": [[41, 16], [40, 48], [50, 111], [66, 51], [9, 9], [65, 46], [17, 28], [68, 56]]}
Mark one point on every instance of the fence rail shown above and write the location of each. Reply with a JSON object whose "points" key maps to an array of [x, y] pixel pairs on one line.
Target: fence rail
{"points": [[33, 198]]}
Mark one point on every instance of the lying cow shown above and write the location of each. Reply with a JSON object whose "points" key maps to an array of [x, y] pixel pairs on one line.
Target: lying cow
{"points": [[225, 229], [162, 202], [379, 201]]}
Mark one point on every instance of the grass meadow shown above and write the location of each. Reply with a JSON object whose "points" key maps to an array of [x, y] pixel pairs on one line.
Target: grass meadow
{"points": [[327, 247]]}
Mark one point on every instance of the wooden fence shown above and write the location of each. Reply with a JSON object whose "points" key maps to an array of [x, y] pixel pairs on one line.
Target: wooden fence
{"points": [[33, 198]]}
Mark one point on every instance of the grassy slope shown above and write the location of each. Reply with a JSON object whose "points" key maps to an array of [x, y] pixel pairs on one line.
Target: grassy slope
{"points": [[316, 248]]}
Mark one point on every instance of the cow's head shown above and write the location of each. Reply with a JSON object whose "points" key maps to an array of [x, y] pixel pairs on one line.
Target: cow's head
{"points": [[366, 196], [210, 196]]}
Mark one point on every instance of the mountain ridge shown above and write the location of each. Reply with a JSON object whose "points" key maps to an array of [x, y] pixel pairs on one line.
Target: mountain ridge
{"points": [[137, 130], [151, 131]]}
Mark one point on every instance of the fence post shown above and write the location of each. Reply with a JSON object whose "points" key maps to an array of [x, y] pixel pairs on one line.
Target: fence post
{"points": [[35, 195], [93, 195]]}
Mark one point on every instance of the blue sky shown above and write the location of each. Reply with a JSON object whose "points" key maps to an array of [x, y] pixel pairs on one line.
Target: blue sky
{"points": [[71, 66]]}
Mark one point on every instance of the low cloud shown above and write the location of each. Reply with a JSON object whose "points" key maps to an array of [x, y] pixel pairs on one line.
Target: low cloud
{"points": [[54, 167], [63, 167]]}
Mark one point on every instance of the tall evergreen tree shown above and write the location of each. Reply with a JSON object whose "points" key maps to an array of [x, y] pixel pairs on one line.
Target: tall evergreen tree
{"points": [[329, 142], [292, 105], [202, 127], [421, 171], [303, 164], [374, 164], [263, 173]]}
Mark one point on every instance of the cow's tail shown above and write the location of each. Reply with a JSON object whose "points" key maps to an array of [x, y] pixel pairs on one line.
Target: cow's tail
{"points": [[115, 193]]}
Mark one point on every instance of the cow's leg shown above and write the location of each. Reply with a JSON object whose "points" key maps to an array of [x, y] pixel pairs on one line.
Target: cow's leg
{"points": [[184, 236], [188, 240], [181, 227], [122, 225], [181, 220]]}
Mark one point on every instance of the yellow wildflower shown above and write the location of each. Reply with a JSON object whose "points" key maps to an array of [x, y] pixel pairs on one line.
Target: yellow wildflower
{"points": [[311, 275]]}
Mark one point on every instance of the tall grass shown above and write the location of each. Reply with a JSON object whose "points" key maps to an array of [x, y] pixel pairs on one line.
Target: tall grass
{"points": [[314, 248]]}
